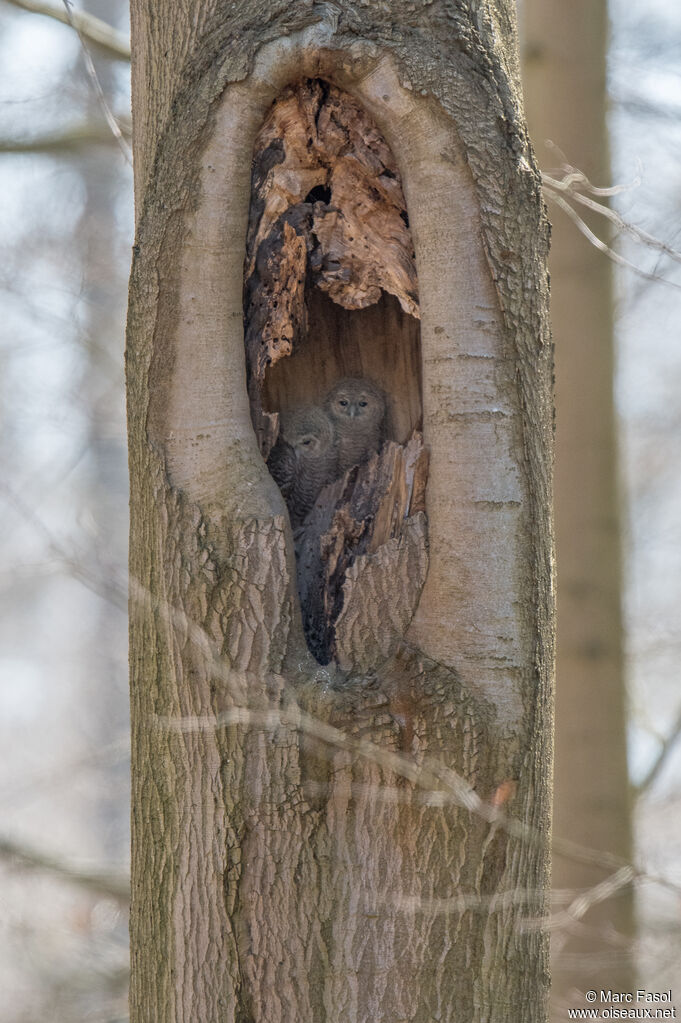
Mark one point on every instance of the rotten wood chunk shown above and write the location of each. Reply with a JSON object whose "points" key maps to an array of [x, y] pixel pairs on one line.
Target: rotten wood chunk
{"points": [[275, 298], [362, 549], [328, 210]]}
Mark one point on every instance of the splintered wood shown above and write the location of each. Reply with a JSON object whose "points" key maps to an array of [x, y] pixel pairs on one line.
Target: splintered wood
{"points": [[327, 209], [362, 558]]}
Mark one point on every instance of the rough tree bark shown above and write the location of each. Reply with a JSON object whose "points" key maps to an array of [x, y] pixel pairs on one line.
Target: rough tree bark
{"points": [[365, 839], [565, 89]]}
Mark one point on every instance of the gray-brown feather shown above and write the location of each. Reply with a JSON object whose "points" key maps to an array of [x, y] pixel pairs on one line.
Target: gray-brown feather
{"points": [[304, 458], [357, 408], [282, 465]]}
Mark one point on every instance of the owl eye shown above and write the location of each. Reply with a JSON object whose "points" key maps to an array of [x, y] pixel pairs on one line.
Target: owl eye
{"points": [[343, 402], [307, 441], [363, 404]]}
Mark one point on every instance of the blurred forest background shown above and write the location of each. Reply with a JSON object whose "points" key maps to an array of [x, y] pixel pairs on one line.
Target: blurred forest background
{"points": [[66, 223]]}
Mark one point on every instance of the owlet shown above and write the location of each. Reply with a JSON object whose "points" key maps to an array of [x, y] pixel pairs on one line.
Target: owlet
{"points": [[304, 458], [357, 409]]}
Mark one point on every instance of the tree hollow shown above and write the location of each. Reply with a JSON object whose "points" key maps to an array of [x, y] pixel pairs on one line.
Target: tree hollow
{"points": [[334, 364]]}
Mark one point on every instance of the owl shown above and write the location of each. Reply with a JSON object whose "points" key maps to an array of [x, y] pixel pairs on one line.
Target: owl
{"points": [[357, 409], [304, 459]]}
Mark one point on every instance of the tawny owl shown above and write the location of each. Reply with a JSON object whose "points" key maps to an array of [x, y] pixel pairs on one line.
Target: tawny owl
{"points": [[357, 409], [304, 458]]}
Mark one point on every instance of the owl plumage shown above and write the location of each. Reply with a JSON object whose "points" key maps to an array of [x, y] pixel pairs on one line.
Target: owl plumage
{"points": [[304, 459], [357, 409]]}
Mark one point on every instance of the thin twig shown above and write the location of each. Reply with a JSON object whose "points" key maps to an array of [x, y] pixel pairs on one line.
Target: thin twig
{"points": [[87, 25], [659, 762], [565, 185], [582, 903], [106, 884], [442, 785], [462, 901], [573, 184], [577, 177], [599, 244], [97, 86], [112, 589], [86, 134]]}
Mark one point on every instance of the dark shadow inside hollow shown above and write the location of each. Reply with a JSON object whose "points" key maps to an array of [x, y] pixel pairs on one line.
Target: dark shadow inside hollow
{"points": [[334, 365]]}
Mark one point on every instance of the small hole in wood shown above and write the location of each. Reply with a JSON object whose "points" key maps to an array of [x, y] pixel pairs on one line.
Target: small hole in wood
{"points": [[320, 193]]}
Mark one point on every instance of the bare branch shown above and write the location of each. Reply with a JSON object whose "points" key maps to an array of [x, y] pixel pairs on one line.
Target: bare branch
{"points": [[572, 186], [443, 784], [97, 86], [583, 902], [96, 31], [659, 762], [575, 176], [463, 900], [440, 785], [71, 140], [105, 583], [106, 884], [567, 185], [602, 246]]}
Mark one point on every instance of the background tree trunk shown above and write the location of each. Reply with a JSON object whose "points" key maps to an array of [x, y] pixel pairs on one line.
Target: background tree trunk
{"points": [[101, 381], [330, 842], [565, 89]]}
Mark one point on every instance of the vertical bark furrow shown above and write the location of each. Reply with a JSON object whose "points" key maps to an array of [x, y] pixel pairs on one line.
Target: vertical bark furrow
{"points": [[380, 858]]}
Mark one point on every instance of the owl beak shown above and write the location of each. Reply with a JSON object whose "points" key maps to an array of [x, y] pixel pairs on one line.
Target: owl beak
{"points": [[353, 411]]}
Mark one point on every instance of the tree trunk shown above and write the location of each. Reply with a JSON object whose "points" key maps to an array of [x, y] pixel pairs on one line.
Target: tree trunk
{"points": [[360, 836], [565, 51]]}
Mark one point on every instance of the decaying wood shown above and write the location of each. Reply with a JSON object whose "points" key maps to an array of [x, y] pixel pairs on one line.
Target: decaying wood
{"points": [[276, 295], [328, 209], [363, 548]]}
